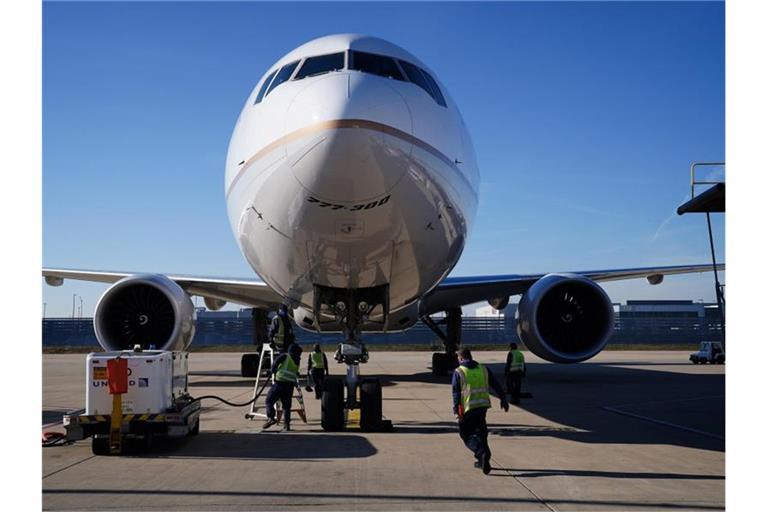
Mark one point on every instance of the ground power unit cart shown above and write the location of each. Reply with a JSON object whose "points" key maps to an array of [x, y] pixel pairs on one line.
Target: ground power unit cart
{"points": [[132, 397]]}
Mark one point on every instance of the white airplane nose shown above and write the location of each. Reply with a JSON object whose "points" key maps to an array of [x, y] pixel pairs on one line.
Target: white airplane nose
{"points": [[356, 136]]}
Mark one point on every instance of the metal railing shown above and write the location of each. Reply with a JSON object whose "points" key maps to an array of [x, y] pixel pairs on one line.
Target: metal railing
{"points": [[693, 175]]}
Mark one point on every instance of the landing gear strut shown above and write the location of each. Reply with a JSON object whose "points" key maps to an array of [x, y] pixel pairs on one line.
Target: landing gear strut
{"points": [[444, 362], [351, 308]]}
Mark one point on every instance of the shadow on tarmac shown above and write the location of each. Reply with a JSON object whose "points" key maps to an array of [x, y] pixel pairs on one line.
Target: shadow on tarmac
{"points": [[420, 498], [394, 379], [263, 446], [538, 473], [596, 403], [614, 403]]}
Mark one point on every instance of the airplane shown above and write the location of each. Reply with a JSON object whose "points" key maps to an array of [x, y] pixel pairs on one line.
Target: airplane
{"points": [[351, 186]]}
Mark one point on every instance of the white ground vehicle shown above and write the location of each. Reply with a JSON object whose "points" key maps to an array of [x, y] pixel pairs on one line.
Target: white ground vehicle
{"points": [[709, 352], [157, 402]]}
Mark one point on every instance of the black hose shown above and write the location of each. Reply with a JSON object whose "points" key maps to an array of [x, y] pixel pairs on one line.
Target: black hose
{"points": [[231, 404]]}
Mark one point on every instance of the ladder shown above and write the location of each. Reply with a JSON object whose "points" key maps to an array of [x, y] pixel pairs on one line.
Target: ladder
{"points": [[259, 397]]}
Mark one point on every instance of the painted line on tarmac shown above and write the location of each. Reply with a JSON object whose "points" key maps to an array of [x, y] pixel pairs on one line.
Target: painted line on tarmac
{"points": [[67, 467], [518, 480], [665, 423]]}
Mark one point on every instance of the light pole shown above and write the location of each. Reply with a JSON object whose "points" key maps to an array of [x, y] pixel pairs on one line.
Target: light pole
{"points": [[81, 307], [73, 305]]}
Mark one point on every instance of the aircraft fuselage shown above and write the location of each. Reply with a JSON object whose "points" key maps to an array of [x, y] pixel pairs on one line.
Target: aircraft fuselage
{"points": [[351, 180]]}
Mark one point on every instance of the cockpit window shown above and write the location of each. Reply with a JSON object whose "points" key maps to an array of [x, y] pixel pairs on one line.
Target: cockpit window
{"points": [[438, 95], [284, 74], [264, 87], [416, 76], [321, 64], [375, 64], [380, 65], [423, 79]]}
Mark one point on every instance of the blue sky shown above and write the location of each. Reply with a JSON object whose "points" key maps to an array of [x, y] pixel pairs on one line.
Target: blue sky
{"points": [[585, 118]]}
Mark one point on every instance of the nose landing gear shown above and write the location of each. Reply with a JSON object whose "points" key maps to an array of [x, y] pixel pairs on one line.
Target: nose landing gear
{"points": [[363, 394], [363, 397]]}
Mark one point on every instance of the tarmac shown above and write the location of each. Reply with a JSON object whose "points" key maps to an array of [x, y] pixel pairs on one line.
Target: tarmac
{"points": [[629, 430]]}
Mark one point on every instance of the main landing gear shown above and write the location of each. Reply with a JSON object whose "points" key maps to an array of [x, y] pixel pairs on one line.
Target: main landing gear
{"points": [[249, 363], [446, 362], [351, 308]]}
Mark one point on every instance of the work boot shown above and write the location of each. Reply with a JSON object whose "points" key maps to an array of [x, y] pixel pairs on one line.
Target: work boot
{"points": [[286, 428], [268, 423], [477, 464], [485, 460]]}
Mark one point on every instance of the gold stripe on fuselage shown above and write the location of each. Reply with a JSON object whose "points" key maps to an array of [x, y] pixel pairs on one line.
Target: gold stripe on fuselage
{"points": [[336, 124]]}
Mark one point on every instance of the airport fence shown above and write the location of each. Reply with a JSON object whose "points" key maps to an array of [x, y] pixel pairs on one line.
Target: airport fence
{"points": [[67, 332]]}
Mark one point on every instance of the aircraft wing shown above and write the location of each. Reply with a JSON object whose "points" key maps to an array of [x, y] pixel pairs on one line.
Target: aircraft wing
{"points": [[460, 291], [452, 292], [248, 292]]}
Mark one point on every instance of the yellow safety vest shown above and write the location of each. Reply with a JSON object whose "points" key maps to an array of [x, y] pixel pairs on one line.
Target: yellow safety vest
{"points": [[317, 360], [474, 387], [288, 371], [518, 361], [279, 336]]}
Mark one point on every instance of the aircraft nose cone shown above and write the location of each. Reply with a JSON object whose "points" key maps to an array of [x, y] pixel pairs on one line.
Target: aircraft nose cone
{"points": [[355, 142]]}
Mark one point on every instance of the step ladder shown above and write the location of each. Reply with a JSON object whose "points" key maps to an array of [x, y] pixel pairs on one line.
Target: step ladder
{"points": [[261, 388]]}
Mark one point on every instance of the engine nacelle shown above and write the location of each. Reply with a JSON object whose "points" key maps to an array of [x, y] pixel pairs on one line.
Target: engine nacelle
{"points": [[565, 318], [146, 310]]}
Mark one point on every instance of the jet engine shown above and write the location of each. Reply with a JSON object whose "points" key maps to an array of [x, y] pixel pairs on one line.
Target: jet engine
{"points": [[565, 318], [147, 310]]}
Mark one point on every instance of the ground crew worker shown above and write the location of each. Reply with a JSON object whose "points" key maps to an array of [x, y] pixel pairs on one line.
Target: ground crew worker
{"points": [[514, 371], [286, 372], [281, 330], [317, 367], [471, 401]]}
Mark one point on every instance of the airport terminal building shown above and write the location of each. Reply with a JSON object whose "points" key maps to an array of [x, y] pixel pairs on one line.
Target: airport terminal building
{"points": [[677, 320]]}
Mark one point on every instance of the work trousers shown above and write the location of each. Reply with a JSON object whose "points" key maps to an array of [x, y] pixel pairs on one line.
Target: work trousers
{"points": [[318, 377], [474, 432], [514, 382], [283, 392]]}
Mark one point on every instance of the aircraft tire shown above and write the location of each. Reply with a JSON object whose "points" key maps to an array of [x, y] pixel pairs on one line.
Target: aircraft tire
{"points": [[100, 445], [370, 404], [147, 442], [332, 405], [439, 364], [249, 365]]}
